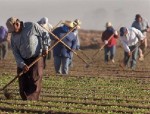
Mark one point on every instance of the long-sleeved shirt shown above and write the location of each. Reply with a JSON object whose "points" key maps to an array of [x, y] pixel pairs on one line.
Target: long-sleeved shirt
{"points": [[3, 34], [46, 28], [69, 40], [109, 32], [30, 42], [131, 38], [142, 26]]}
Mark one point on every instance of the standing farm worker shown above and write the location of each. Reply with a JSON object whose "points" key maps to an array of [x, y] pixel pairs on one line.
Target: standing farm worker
{"points": [[109, 37], [28, 41], [3, 43], [76, 33], [142, 25], [61, 53], [43, 22], [129, 38]]}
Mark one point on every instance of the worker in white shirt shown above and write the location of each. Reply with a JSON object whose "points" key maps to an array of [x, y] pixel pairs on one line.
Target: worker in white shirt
{"points": [[129, 38]]}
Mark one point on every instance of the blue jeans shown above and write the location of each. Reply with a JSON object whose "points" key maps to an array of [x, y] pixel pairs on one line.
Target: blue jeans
{"points": [[61, 64], [112, 51], [133, 57], [71, 61]]}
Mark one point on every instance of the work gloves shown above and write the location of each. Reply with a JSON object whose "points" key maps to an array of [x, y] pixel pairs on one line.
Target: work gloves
{"points": [[105, 42]]}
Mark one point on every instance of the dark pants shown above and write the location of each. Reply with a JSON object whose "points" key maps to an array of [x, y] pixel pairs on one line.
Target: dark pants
{"points": [[30, 82], [47, 57], [3, 49]]}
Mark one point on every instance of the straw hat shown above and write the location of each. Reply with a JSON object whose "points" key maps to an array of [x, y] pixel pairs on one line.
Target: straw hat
{"points": [[69, 24], [77, 21]]}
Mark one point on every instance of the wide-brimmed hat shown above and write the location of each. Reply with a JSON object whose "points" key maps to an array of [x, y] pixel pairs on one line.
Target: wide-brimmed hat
{"points": [[77, 22], [123, 30], [108, 24], [69, 24], [10, 22]]}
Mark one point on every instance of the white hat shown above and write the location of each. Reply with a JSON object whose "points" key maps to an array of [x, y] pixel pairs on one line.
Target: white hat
{"points": [[43, 20], [108, 24]]}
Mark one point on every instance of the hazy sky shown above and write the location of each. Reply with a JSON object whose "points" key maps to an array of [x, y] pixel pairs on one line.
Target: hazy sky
{"points": [[93, 13]]}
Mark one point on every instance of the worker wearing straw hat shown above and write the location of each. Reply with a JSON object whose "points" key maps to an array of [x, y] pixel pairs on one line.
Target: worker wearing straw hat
{"points": [[78, 23], [76, 33], [28, 41], [62, 55]]}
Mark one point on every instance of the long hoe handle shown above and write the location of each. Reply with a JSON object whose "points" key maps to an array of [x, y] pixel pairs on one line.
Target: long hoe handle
{"points": [[60, 40], [84, 54]]}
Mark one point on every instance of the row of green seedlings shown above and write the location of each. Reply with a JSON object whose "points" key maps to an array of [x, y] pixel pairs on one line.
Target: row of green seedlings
{"points": [[69, 107], [96, 93], [87, 97], [84, 91]]}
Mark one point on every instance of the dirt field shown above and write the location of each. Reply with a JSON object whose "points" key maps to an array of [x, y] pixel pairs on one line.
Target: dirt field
{"points": [[100, 88]]}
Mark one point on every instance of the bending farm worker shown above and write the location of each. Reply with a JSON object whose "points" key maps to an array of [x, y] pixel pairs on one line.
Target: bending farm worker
{"points": [[28, 42], [129, 38]]}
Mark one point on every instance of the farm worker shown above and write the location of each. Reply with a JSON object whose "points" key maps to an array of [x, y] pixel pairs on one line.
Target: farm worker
{"points": [[109, 37], [43, 22], [3, 43], [62, 55], [28, 41], [76, 33], [129, 38], [142, 25]]}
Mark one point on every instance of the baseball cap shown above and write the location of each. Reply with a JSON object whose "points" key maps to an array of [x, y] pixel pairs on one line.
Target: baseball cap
{"points": [[123, 30]]}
